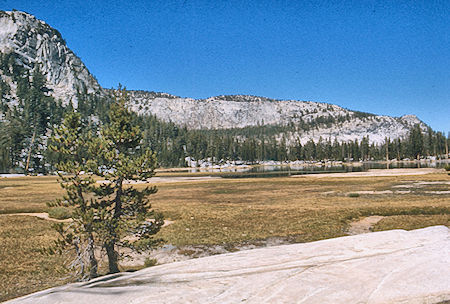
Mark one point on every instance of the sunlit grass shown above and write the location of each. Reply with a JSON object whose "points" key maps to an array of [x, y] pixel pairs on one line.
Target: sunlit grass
{"points": [[223, 211], [28, 194], [23, 268], [409, 222]]}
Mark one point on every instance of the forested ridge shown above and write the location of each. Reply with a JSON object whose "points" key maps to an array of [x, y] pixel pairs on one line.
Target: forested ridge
{"points": [[27, 123]]}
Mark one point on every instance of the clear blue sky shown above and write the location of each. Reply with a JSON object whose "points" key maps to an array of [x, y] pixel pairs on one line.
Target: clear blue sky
{"points": [[384, 57]]}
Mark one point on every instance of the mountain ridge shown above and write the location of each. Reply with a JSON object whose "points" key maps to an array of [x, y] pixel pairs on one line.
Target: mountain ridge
{"points": [[36, 45], [240, 111]]}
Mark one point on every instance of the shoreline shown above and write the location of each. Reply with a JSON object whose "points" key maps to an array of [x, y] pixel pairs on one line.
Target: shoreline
{"points": [[378, 172]]}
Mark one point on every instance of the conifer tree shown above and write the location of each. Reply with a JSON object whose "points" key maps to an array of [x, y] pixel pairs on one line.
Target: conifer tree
{"points": [[72, 145], [416, 142], [125, 211]]}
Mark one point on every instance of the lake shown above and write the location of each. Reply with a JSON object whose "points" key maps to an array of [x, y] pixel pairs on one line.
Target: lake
{"points": [[256, 171]]}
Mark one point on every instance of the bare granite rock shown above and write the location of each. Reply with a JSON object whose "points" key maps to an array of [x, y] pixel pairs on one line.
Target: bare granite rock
{"points": [[238, 111], [383, 267], [35, 43], [31, 43]]}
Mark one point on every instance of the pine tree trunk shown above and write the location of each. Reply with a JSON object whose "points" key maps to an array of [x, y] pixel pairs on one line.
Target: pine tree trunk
{"points": [[92, 260], [112, 257], [109, 246], [93, 265], [387, 154], [79, 255], [29, 152], [446, 149]]}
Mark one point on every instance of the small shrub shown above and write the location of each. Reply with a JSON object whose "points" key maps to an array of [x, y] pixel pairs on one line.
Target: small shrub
{"points": [[149, 262], [447, 167], [353, 195], [60, 213]]}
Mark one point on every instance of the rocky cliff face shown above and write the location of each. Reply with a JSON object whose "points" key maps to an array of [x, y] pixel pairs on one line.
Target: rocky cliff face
{"points": [[35, 43], [238, 111]]}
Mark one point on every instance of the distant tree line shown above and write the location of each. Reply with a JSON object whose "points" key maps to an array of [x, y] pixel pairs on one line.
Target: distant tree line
{"points": [[255, 145], [26, 126]]}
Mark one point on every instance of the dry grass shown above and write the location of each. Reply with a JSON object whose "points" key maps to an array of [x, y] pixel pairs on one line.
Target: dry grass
{"points": [[224, 211], [28, 194], [230, 211], [23, 268], [409, 222]]}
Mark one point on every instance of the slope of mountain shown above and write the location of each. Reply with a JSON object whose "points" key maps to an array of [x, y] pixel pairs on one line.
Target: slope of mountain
{"points": [[238, 111], [34, 43]]}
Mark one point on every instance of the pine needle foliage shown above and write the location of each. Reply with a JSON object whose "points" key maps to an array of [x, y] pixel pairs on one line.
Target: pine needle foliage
{"points": [[126, 218], [73, 144]]}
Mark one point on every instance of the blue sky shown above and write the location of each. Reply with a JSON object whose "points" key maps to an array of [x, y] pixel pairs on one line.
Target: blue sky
{"points": [[383, 57]]}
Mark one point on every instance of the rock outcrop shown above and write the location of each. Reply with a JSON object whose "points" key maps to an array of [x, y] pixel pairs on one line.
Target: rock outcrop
{"points": [[35, 43], [238, 111], [383, 267]]}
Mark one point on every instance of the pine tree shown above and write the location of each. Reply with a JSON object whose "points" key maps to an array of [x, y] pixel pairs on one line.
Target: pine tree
{"points": [[4, 148], [125, 211], [416, 142], [72, 145], [13, 138]]}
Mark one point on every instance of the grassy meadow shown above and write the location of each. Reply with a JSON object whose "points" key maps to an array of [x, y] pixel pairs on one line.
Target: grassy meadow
{"points": [[223, 211]]}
